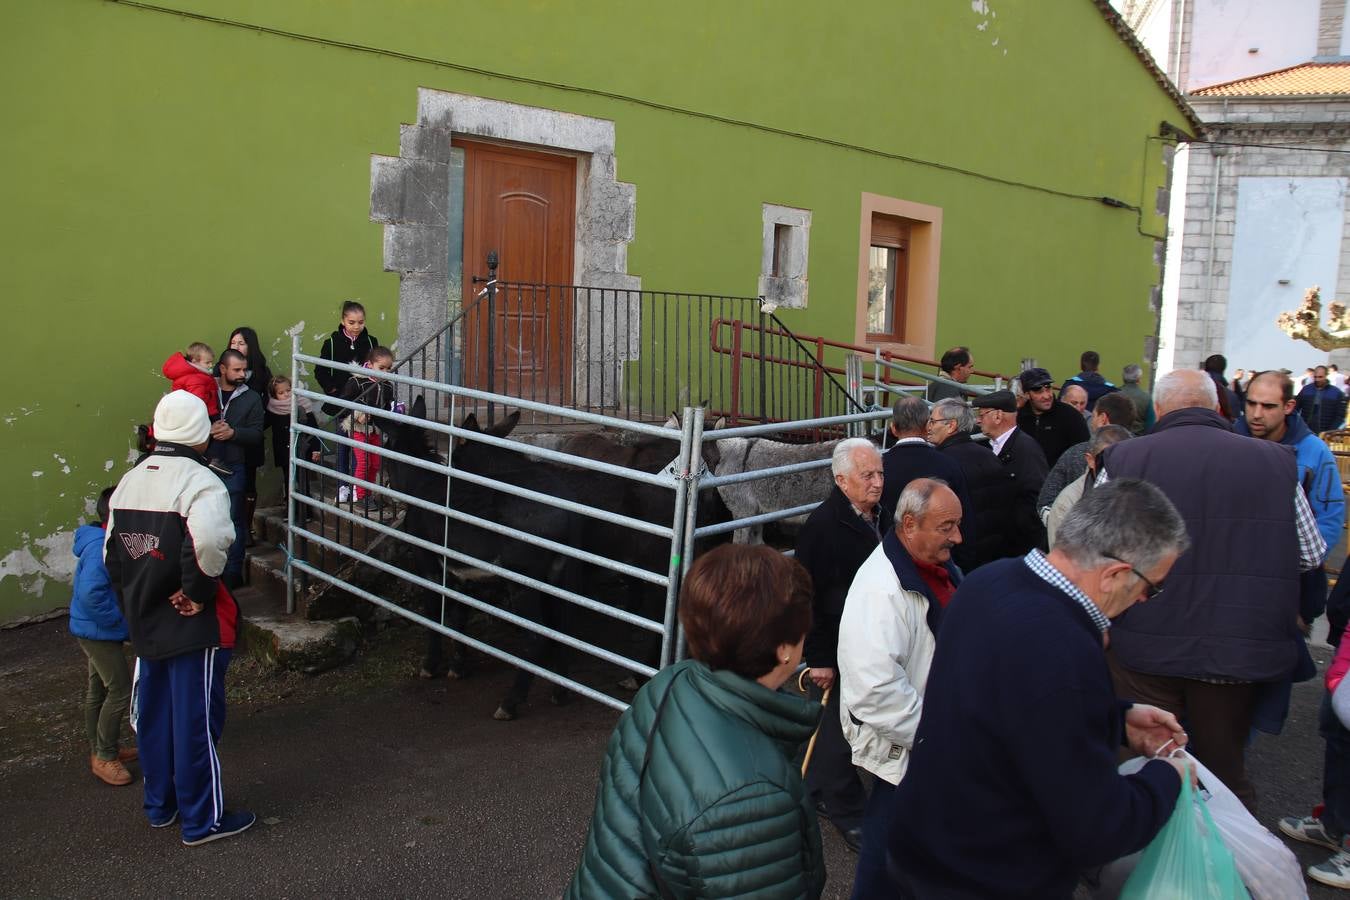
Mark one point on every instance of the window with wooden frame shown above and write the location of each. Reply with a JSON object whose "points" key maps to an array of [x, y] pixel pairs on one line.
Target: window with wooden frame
{"points": [[899, 249], [887, 279]]}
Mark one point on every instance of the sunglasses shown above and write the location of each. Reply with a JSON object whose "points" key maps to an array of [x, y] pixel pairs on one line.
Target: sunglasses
{"points": [[1151, 590]]}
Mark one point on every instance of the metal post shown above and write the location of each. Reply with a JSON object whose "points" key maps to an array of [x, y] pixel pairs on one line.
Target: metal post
{"points": [[492, 334], [683, 467], [290, 478], [763, 371], [691, 512]]}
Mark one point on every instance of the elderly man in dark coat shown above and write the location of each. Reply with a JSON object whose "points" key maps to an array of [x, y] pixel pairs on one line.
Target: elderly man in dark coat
{"points": [[911, 456], [1022, 457], [990, 486], [838, 536]]}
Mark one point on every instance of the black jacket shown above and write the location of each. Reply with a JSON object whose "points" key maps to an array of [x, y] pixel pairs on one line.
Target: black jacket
{"points": [[1056, 430], [993, 496], [372, 392], [169, 529], [339, 348], [1024, 459], [905, 462], [242, 411], [832, 544]]}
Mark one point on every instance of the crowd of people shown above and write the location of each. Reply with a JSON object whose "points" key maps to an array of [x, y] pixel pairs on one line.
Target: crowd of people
{"points": [[160, 566], [1025, 585], [981, 606]]}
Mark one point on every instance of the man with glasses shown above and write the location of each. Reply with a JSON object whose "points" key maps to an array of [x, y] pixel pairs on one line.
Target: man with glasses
{"points": [[1012, 787], [1054, 424], [1230, 620], [992, 491], [1022, 458]]}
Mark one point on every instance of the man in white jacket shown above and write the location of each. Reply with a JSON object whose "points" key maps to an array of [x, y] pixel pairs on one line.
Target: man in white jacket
{"points": [[886, 640]]}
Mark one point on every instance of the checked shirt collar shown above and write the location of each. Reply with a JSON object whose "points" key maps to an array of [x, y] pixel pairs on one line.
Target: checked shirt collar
{"points": [[1037, 563]]}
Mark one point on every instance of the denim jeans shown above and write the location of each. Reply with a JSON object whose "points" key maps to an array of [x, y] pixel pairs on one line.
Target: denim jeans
{"points": [[234, 483], [1335, 769], [872, 878]]}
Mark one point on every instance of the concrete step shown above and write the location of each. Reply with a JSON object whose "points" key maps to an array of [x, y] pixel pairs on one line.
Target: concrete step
{"points": [[280, 641]]}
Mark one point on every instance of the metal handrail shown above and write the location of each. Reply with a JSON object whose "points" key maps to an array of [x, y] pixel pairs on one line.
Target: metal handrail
{"points": [[464, 310]]}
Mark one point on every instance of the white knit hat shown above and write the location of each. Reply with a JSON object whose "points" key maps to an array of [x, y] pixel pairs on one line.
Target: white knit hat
{"points": [[181, 418]]}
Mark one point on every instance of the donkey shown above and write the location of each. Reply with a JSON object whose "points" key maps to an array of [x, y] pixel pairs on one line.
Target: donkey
{"points": [[568, 482]]}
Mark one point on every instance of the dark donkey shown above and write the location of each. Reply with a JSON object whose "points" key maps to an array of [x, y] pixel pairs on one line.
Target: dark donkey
{"points": [[566, 482]]}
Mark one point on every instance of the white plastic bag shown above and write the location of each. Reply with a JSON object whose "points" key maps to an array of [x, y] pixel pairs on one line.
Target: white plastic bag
{"points": [[1268, 868]]}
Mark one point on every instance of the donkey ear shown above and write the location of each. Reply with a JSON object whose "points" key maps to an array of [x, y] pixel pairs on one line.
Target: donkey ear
{"points": [[419, 407], [505, 426], [672, 422], [470, 423], [720, 423]]}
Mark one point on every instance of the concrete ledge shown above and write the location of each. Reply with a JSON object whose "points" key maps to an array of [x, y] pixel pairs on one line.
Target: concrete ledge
{"points": [[299, 645]]}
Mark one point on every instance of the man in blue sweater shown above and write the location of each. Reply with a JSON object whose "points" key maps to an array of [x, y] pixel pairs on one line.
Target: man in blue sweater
{"points": [[1012, 788]]}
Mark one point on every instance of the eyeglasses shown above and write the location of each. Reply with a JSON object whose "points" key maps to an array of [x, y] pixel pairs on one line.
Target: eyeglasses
{"points": [[1151, 590], [937, 421]]}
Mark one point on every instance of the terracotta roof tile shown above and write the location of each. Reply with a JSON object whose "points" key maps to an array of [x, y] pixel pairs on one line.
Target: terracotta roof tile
{"points": [[1311, 79]]}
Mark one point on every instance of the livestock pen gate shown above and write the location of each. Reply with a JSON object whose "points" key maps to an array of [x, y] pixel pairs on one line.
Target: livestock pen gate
{"points": [[613, 614]]}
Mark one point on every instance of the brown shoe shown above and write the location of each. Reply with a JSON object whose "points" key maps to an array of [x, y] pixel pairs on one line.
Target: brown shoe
{"points": [[110, 771], [128, 754]]}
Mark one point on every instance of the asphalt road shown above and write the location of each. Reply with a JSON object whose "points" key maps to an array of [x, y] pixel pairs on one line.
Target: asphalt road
{"points": [[368, 781]]}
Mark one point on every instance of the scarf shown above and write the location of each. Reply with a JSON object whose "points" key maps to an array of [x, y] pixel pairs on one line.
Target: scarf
{"points": [[283, 407]]}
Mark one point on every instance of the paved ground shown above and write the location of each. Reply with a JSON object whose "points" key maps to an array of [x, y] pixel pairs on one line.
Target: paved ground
{"points": [[367, 781]]}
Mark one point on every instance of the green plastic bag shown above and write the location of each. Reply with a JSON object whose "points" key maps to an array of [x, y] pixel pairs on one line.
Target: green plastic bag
{"points": [[1187, 859]]}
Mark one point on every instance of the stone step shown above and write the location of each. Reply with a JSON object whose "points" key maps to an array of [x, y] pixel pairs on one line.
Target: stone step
{"points": [[290, 642]]}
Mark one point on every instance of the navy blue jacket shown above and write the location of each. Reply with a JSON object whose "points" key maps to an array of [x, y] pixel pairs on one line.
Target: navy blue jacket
{"points": [[1323, 410], [94, 611], [905, 462], [1095, 385], [1020, 732], [1229, 611]]}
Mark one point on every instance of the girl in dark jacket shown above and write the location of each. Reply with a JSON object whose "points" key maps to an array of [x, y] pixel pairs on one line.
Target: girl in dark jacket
{"points": [[699, 796], [245, 340]]}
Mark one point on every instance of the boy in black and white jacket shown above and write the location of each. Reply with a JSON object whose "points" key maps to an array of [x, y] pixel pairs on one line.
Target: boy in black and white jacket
{"points": [[169, 531]]}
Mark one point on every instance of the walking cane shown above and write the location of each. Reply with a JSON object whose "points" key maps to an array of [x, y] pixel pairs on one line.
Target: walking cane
{"points": [[824, 699]]}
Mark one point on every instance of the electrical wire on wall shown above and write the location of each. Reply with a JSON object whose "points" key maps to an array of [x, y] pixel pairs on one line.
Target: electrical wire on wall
{"points": [[639, 101]]}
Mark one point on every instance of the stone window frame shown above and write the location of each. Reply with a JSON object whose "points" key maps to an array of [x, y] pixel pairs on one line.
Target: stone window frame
{"points": [[924, 257], [411, 195], [784, 255]]}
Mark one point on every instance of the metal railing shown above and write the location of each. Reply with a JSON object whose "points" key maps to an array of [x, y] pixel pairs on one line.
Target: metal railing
{"points": [[320, 554]]}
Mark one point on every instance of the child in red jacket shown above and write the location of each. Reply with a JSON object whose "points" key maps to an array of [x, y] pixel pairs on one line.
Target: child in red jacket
{"points": [[1329, 824], [191, 371]]}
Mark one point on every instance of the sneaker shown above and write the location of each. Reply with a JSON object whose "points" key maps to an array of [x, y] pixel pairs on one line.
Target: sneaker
{"points": [[230, 824], [345, 494], [1310, 830], [165, 823], [110, 771], [1334, 872]]}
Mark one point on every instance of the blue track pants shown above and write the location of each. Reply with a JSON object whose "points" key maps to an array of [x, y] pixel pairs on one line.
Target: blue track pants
{"points": [[181, 713]]}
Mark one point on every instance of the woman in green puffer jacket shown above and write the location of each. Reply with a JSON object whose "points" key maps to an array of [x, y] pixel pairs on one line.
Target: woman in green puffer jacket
{"points": [[698, 793]]}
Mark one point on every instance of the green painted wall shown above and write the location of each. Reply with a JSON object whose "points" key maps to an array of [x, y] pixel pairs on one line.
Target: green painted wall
{"points": [[168, 179]]}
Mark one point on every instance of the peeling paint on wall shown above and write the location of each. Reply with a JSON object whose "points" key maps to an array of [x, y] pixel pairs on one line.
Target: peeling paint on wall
{"points": [[50, 557]]}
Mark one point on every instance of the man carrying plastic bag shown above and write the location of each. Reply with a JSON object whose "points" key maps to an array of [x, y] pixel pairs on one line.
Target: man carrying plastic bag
{"points": [[1012, 789], [1266, 867]]}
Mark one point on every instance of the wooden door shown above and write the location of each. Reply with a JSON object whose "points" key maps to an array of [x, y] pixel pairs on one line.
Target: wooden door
{"points": [[522, 205]]}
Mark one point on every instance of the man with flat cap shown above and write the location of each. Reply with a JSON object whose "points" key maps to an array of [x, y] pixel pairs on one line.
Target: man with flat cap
{"points": [[996, 414], [1055, 425]]}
